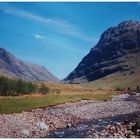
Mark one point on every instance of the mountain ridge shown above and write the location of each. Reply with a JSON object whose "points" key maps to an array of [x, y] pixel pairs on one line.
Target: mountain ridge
{"points": [[12, 67], [115, 43]]}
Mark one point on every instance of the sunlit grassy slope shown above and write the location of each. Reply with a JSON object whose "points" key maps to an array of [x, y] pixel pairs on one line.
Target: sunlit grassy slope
{"points": [[129, 78], [114, 81]]}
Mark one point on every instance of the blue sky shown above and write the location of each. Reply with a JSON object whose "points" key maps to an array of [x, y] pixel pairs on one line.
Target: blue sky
{"points": [[58, 35]]}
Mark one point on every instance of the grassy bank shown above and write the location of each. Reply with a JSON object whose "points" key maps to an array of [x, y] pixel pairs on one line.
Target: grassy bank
{"points": [[24, 103], [138, 122]]}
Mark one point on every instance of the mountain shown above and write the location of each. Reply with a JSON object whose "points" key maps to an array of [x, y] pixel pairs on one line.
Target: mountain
{"points": [[12, 67], [115, 56]]}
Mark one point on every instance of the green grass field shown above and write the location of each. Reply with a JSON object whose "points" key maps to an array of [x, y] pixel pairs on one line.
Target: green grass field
{"points": [[24, 103]]}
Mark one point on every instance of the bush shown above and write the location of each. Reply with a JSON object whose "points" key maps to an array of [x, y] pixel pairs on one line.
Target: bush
{"points": [[118, 89], [137, 89], [11, 87], [43, 89]]}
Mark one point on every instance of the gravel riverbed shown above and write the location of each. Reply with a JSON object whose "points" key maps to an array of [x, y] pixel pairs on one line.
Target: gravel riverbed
{"points": [[80, 119]]}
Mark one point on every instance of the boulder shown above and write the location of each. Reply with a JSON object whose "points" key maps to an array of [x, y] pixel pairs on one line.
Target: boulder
{"points": [[42, 126], [25, 133]]}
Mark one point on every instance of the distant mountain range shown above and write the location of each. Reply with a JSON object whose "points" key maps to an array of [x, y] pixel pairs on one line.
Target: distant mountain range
{"points": [[115, 56], [12, 67]]}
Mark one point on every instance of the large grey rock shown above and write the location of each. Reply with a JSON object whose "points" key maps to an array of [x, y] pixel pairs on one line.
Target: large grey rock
{"points": [[42, 126], [25, 133], [137, 94]]}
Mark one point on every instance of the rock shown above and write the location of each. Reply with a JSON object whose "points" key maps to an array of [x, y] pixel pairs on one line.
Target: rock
{"points": [[127, 135], [42, 126], [138, 132], [34, 132], [134, 128], [118, 123], [126, 122], [129, 127], [25, 132], [67, 126], [137, 94]]}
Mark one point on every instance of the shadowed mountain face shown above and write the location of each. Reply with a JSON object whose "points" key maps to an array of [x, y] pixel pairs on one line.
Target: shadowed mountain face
{"points": [[112, 54], [12, 67]]}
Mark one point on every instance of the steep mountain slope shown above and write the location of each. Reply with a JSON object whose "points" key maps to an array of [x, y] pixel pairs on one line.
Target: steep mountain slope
{"points": [[12, 67], [116, 53], [129, 78]]}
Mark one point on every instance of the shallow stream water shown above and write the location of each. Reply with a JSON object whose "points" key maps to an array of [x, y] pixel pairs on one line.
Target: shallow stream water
{"points": [[80, 130]]}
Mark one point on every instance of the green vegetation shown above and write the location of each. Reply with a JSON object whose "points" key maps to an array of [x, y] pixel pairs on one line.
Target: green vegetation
{"points": [[31, 98], [28, 102], [138, 122], [119, 89], [97, 97], [137, 89], [44, 89], [11, 87]]}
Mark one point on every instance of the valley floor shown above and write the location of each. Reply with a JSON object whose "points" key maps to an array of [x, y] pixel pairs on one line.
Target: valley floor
{"points": [[84, 118]]}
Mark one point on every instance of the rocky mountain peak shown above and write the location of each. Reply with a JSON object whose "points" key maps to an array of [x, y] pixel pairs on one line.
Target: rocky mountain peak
{"points": [[7, 56], [113, 33], [3, 53], [105, 57], [129, 24]]}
